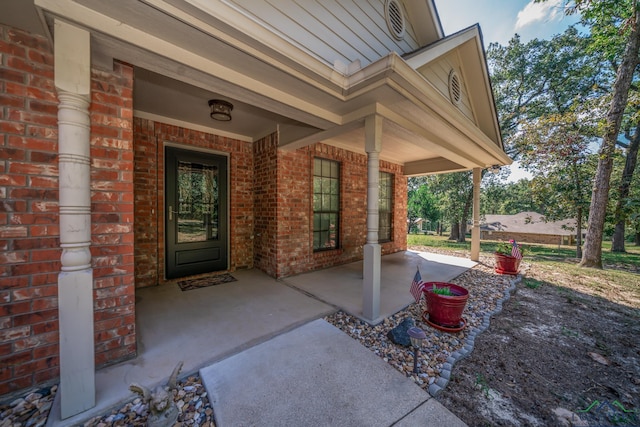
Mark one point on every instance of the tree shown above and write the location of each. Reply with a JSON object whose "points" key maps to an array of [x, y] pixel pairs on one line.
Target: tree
{"points": [[421, 203], [602, 16], [455, 194], [547, 92], [542, 77], [621, 210], [556, 147], [508, 199]]}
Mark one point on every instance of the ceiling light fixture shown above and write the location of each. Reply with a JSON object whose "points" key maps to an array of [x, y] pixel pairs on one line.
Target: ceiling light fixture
{"points": [[495, 169], [220, 110]]}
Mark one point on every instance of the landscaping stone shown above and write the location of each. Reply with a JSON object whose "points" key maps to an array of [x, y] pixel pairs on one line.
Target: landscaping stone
{"points": [[399, 335]]}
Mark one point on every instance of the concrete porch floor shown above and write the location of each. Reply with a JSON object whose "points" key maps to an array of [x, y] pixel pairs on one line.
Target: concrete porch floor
{"points": [[341, 286], [204, 326]]}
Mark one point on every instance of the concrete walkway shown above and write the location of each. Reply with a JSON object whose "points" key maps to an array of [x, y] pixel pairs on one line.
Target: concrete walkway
{"points": [[316, 375]]}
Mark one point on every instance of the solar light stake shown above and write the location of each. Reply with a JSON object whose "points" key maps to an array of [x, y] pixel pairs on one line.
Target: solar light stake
{"points": [[416, 335]]}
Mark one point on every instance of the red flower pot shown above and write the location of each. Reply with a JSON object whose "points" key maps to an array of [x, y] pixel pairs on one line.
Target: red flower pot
{"points": [[445, 310], [506, 264]]}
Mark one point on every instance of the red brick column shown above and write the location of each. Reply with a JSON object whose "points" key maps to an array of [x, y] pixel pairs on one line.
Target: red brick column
{"points": [[112, 213], [29, 232], [30, 254]]}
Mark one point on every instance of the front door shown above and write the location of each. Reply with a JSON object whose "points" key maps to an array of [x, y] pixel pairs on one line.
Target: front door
{"points": [[195, 212]]}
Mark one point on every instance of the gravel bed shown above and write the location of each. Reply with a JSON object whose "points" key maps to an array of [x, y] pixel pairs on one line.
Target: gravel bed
{"points": [[487, 291], [33, 409], [440, 351], [191, 399]]}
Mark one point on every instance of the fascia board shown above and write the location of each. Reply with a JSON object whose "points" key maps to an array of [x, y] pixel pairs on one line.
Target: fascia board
{"points": [[433, 52], [441, 47], [415, 87]]}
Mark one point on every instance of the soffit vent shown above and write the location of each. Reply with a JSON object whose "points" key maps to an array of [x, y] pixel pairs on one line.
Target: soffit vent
{"points": [[455, 87], [395, 18]]}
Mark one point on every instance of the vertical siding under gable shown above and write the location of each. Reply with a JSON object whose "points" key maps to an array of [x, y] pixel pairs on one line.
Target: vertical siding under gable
{"points": [[332, 30], [437, 73]]}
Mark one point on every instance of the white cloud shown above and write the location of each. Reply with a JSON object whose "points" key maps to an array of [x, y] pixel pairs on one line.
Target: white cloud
{"points": [[534, 12]]}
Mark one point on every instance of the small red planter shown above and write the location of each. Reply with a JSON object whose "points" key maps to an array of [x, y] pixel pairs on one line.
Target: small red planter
{"points": [[445, 311], [506, 264]]}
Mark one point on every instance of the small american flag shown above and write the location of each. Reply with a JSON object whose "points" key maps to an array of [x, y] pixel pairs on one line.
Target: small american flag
{"points": [[417, 286], [515, 250]]}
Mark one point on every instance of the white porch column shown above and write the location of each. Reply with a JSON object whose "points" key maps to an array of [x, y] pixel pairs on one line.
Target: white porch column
{"points": [[372, 251], [75, 281], [475, 231]]}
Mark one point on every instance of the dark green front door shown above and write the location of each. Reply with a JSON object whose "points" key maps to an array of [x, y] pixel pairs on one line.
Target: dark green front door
{"points": [[195, 212]]}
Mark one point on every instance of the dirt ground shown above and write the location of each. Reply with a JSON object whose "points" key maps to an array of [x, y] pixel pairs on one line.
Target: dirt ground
{"points": [[554, 349]]}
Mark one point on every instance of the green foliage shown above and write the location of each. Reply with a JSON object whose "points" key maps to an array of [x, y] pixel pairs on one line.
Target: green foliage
{"points": [[505, 248], [421, 203], [634, 206], [570, 332], [498, 198], [540, 77], [555, 148], [445, 291], [452, 190], [481, 383], [532, 283]]}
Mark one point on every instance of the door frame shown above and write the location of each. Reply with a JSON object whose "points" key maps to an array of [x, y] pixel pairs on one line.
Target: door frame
{"points": [[192, 148]]}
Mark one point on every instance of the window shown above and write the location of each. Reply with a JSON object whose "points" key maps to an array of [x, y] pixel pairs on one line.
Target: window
{"points": [[326, 204], [385, 208]]}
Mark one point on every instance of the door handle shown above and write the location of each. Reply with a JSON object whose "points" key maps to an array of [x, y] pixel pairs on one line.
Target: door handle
{"points": [[171, 212]]}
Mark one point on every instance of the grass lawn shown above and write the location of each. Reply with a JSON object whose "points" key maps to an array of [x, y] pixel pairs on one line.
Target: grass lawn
{"points": [[619, 281], [566, 338]]}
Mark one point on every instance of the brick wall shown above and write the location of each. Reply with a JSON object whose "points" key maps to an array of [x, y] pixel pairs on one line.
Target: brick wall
{"points": [[112, 213], [147, 186], [29, 261], [400, 197], [29, 234], [149, 137], [265, 178], [284, 209]]}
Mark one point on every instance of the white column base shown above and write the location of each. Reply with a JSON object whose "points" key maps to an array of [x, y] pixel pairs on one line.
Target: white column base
{"points": [[77, 362], [371, 282]]}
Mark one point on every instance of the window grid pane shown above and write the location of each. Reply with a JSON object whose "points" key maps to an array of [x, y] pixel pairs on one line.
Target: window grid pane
{"points": [[326, 204], [385, 208]]}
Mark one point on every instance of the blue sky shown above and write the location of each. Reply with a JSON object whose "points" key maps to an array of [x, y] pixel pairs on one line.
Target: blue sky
{"points": [[500, 20]]}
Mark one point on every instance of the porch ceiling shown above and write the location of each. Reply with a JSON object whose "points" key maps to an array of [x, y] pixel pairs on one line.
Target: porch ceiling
{"points": [[162, 98], [182, 59]]}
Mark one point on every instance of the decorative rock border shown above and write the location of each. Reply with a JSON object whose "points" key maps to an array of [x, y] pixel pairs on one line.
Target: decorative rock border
{"points": [[445, 374], [441, 350]]}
